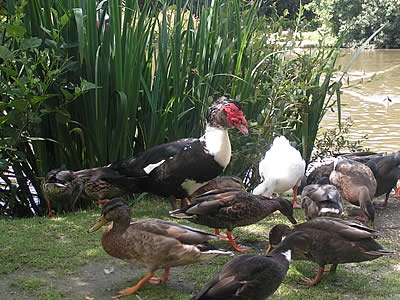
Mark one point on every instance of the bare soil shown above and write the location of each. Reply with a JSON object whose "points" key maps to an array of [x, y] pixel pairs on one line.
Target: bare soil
{"points": [[103, 279]]}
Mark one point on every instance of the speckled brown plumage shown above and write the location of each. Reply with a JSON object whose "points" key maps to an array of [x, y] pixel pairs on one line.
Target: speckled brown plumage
{"points": [[152, 243], [356, 184], [230, 208], [220, 182], [61, 188], [321, 199]]}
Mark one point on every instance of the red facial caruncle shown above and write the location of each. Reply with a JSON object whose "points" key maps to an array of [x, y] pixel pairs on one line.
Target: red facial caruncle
{"points": [[236, 118]]}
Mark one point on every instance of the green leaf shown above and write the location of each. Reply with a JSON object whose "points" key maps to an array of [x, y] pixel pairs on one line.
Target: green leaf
{"points": [[5, 54], [64, 19], [19, 105], [38, 99], [8, 71], [15, 30], [31, 43]]}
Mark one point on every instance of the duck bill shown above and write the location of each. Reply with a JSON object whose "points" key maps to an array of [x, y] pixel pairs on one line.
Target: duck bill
{"points": [[292, 219], [242, 128], [100, 223]]}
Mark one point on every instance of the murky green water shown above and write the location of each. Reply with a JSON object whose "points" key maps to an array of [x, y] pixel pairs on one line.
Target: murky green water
{"points": [[374, 78]]}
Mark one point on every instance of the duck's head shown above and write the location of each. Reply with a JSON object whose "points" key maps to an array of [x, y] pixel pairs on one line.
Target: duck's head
{"points": [[286, 209], [116, 209], [276, 234], [227, 113], [295, 240]]}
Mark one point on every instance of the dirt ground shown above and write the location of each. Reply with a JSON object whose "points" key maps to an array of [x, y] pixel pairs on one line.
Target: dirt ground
{"points": [[99, 280]]}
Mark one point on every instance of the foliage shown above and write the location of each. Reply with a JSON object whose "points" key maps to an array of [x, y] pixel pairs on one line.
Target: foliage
{"points": [[155, 72], [331, 142], [360, 18], [294, 90], [33, 90]]}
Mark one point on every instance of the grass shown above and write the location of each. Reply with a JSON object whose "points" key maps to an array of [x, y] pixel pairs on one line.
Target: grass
{"points": [[61, 247]]}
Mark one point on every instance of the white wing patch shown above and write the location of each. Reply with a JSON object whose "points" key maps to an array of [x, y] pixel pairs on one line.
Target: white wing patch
{"points": [[151, 167], [327, 209], [287, 254]]}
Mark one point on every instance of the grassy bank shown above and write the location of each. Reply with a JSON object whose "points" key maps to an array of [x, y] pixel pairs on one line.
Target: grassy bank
{"points": [[41, 257]]}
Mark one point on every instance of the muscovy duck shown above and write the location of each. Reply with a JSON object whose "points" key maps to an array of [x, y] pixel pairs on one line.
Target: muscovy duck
{"points": [[282, 169], [175, 169]]}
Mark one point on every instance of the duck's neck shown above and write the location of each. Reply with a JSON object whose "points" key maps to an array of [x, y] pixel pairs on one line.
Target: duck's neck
{"points": [[270, 205], [217, 144], [121, 224]]}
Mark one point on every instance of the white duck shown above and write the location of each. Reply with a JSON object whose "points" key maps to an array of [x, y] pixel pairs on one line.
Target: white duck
{"points": [[281, 169]]}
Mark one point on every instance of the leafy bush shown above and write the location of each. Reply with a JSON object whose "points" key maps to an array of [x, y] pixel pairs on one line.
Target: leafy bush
{"points": [[33, 91], [155, 72]]}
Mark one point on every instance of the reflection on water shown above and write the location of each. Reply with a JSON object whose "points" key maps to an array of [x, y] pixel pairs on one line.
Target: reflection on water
{"points": [[371, 97]]}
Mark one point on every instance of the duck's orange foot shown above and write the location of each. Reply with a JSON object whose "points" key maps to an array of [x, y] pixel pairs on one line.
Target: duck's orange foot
{"points": [[397, 192], [103, 201], [240, 248], [155, 280], [158, 280], [361, 218], [307, 281], [222, 235], [296, 204]]}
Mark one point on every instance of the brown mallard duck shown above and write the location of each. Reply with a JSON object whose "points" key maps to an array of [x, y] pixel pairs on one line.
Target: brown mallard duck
{"points": [[386, 170], [175, 169], [220, 182], [280, 170], [61, 188], [321, 199], [231, 208], [333, 241], [254, 277], [151, 243], [356, 184]]}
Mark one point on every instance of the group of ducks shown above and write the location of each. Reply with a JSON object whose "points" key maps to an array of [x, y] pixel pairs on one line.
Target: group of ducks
{"points": [[188, 169]]}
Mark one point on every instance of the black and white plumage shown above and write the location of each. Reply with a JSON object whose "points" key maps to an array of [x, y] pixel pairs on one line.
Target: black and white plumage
{"points": [[177, 168], [253, 277], [321, 199]]}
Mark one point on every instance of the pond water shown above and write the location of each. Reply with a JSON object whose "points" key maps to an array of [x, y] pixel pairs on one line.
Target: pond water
{"points": [[371, 97]]}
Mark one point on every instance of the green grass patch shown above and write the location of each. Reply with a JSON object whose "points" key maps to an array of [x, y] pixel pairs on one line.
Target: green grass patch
{"points": [[62, 245]]}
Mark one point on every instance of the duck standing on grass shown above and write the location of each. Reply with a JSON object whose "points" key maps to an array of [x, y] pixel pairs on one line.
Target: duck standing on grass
{"points": [[174, 169], [231, 208], [281, 169], [333, 241], [321, 199], [356, 184], [62, 189], [151, 243], [253, 277]]}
